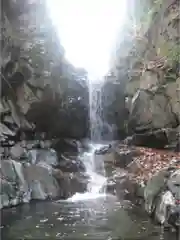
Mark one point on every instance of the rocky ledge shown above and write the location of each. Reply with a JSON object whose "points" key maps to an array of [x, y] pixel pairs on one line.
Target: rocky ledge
{"points": [[145, 176], [33, 171]]}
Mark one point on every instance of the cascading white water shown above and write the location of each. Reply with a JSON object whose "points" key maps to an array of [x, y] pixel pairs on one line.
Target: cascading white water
{"points": [[95, 111], [94, 167]]}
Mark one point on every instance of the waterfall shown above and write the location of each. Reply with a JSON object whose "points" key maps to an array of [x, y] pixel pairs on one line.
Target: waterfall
{"points": [[94, 165], [95, 112], [99, 128], [95, 168]]}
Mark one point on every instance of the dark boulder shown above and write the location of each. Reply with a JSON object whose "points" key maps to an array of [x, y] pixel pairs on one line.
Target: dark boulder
{"points": [[50, 117], [155, 139], [71, 166], [67, 145], [150, 111]]}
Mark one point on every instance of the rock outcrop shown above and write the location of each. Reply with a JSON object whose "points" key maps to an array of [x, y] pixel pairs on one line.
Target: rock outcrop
{"points": [[146, 65], [147, 177], [43, 97], [41, 90], [32, 173]]}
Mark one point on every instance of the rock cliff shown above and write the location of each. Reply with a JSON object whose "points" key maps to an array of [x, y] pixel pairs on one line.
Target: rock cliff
{"points": [[146, 65], [42, 97], [41, 90]]}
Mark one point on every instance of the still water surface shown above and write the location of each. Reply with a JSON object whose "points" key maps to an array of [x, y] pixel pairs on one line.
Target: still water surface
{"points": [[99, 218]]}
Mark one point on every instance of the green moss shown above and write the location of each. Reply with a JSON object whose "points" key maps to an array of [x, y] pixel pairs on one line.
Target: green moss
{"points": [[174, 53], [170, 51]]}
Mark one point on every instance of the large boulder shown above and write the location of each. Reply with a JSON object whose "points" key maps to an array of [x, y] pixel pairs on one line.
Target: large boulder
{"points": [[40, 156], [39, 176], [165, 199], [8, 193], [162, 138], [153, 188], [7, 170], [41, 181], [17, 151], [151, 111], [173, 92], [153, 139], [71, 146], [21, 183], [14, 185], [173, 136]]}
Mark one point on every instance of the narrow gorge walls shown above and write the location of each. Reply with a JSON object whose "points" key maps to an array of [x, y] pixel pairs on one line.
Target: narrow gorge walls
{"points": [[41, 90], [146, 65]]}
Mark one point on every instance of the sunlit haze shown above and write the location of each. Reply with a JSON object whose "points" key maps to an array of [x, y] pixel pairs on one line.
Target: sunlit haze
{"points": [[87, 30]]}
